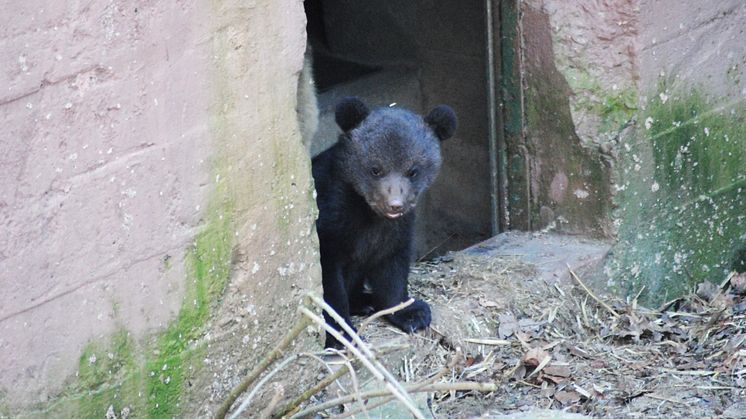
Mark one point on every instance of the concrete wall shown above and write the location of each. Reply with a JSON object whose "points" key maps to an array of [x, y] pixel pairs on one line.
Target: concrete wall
{"points": [[154, 194], [577, 71], [682, 179], [634, 115]]}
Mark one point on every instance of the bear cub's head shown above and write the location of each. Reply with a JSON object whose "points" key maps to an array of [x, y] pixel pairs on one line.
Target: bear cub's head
{"points": [[391, 155]]}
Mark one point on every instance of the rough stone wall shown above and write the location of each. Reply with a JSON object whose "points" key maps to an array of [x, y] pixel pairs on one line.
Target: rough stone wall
{"points": [[150, 157], [578, 81], [640, 104]]}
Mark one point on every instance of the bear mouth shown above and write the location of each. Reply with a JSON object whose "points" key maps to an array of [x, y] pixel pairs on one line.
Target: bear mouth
{"points": [[390, 215], [384, 212]]}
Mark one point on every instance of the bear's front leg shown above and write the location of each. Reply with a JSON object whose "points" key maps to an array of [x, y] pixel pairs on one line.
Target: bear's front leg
{"points": [[389, 282], [335, 294]]}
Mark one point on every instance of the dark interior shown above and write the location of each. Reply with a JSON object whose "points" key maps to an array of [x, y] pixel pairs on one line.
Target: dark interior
{"points": [[416, 54]]}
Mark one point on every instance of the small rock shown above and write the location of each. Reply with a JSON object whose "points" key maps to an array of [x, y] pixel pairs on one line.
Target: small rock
{"points": [[567, 397], [707, 291], [738, 283], [736, 410], [739, 308]]}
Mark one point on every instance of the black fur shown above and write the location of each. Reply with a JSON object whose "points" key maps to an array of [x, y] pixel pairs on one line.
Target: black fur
{"points": [[367, 186], [349, 113]]}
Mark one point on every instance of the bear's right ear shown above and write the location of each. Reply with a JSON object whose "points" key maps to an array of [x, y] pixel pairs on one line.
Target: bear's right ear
{"points": [[349, 113]]}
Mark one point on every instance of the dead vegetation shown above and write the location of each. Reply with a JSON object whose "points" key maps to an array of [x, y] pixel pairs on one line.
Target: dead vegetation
{"points": [[504, 341]]}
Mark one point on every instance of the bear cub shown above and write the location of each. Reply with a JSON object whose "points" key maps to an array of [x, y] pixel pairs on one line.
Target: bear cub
{"points": [[367, 187]]}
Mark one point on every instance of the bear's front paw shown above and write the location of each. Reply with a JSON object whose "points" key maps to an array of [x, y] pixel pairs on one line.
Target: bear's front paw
{"points": [[332, 342], [412, 318]]}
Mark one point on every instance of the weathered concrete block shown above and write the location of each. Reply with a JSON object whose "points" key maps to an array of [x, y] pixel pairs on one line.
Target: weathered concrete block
{"points": [[152, 156]]}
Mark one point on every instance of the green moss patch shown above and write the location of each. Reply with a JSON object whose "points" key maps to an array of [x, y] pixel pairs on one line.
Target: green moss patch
{"points": [[177, 352], [109, 376], [209, 263], [683, 204], [614, 107]]}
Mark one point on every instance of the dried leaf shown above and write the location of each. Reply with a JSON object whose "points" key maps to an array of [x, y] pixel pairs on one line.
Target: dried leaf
{"points": [[580, 353], [534, 357], [543, 377], [470, 360], [487, 303], [598, 363], [519, 373], [707, 291], [529, 324], [558, 370], [567, 397]]}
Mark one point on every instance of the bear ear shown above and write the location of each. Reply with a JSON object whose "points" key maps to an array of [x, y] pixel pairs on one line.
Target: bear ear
{"points": [[442, 119], [350, 112]]}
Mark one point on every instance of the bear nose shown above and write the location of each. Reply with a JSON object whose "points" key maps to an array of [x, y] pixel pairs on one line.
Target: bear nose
{"points": [[395, 205]]}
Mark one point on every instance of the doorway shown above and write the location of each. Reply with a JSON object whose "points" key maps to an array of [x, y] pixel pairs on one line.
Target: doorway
{"points": [[418, 54]]}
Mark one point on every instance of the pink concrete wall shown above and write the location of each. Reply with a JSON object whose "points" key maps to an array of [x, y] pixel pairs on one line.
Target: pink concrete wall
{"points": [[109, 154]]}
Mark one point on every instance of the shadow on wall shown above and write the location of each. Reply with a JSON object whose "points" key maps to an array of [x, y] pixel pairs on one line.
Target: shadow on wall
{"points": [[569, 181]]}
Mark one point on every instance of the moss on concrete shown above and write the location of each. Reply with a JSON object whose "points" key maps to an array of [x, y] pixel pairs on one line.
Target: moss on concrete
{"points": [[109, 376], [152, 384], [682, 204], [209, 262], [614, 106], [112, 375]]}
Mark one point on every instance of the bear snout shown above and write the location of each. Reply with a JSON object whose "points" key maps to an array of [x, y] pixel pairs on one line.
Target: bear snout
{"points": [[393, 196]]}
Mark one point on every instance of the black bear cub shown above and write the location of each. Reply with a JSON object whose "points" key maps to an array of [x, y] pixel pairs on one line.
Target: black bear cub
{"points": [[367, 185]]}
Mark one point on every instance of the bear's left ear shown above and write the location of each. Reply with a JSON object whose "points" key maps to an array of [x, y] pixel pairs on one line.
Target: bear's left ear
{"points": [[442, 119]]}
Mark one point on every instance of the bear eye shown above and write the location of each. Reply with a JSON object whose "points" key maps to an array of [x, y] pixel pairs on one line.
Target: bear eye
{"points": [[412, 172], [375, 171]]}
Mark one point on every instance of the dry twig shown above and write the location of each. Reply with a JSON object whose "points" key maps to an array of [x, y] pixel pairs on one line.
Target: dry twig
{"points": [[382, 313], [591, 294], [275, 353], [381, 374], [437, 376], [293, 404], [279, 392], [416, 388]]}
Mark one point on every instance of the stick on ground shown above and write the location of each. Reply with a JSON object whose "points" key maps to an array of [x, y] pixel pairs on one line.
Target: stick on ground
{"points": [[382, 313], [273, 355], [589, 292], [382, 375]]}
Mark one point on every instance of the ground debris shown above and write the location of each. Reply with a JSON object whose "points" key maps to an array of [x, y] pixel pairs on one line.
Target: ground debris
{"points": [[506, 342], [562, 346]]}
